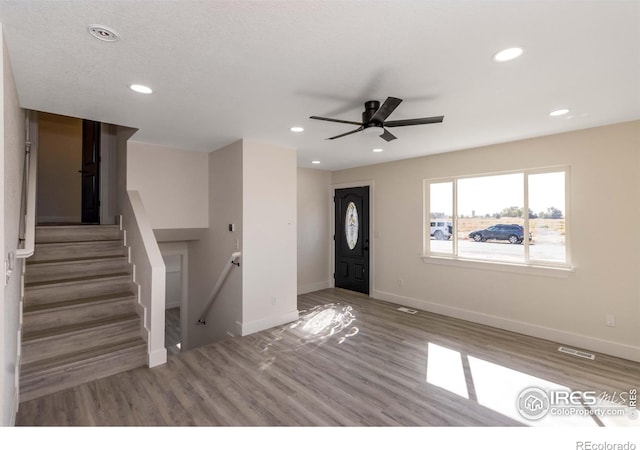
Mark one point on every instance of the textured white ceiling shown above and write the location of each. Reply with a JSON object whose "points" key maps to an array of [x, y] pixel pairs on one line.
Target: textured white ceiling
{"points": [[223, 70]]}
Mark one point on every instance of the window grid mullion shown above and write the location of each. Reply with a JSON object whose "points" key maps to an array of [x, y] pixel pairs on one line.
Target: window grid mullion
{"points": [[525, 238], [454, 219]]}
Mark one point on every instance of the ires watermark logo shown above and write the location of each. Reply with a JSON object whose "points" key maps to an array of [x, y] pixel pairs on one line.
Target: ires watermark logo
{"points": [[534, 403]]}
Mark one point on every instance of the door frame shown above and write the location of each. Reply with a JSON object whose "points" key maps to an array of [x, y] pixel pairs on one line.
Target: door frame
{"points": [[96, 143], [180, 248], [372, 231]]}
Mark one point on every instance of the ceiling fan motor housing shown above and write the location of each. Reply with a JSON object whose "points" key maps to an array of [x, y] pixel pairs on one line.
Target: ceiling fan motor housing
{"points": [[370, 109]]}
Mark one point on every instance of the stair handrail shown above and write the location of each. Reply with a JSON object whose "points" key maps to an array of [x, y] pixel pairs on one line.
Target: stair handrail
{"points": [[232, 261], [28, 201]]}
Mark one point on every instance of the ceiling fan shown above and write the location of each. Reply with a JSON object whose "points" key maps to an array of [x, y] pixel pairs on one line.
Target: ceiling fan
{"points": [[374, 119]]}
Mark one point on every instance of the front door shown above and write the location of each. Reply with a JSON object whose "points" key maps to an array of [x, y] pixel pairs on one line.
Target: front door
{"points": [[352, 239], [90, 171]]}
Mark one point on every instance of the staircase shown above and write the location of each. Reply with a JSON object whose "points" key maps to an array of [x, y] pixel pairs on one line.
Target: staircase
{"points": [[79, 314]]}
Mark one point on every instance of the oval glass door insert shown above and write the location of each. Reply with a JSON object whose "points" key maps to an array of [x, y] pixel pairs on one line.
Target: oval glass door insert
{"points": [[351, 225]]}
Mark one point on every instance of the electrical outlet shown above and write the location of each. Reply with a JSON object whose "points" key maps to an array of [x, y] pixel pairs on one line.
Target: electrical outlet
{"points": [[400, 282], [610, 320]]}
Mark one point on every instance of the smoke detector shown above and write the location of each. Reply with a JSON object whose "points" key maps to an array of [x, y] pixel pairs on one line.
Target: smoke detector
{"points": [[103, 33]]}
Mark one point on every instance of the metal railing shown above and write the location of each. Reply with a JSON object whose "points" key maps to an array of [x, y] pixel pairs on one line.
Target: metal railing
{"points": [[28, 202], [233, 261]]}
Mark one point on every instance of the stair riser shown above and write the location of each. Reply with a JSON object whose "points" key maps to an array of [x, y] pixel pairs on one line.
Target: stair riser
{"points": [[78, 341], [74, 250], [69, 234], [56, 293], [37, 385], [59, 271], [45, 320]]}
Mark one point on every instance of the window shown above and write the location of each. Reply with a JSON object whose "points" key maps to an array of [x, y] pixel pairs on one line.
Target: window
{"points": [[517, 217]]}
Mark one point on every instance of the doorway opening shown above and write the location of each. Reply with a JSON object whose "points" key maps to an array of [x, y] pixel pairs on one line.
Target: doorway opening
{"points": [[174, 255], [76, 171]]}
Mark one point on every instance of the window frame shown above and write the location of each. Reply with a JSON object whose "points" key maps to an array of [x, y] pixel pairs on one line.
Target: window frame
{"points": [[528, 265]]}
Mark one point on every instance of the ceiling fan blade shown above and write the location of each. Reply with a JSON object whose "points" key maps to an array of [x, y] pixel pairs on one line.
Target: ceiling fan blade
{"points": [[389, 105], [335, 120], [387, 136], [347, 133], [423, 121]]}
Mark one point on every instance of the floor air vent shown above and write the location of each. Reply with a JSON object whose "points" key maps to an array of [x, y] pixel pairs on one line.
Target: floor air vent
{"points": [[407, 310], [575, 352]]}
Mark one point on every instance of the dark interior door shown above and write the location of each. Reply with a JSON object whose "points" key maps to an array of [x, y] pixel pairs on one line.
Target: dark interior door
{"points": [[90, 171], [352, 239]]}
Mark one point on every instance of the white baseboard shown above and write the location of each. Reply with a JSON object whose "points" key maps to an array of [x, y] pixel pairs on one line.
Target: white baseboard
{"points": [[266, 323], [157, 357], [16, 405], [312, 287], [625, 351]]}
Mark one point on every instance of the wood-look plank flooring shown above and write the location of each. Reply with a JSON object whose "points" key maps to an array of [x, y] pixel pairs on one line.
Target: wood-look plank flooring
{"points": [[172, 335], [349, 361]]}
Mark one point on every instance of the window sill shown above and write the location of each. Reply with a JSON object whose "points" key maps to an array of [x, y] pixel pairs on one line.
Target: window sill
{"points": [[527, 269]]}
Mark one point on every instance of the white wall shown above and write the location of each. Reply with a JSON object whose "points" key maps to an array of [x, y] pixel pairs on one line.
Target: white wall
{"points": [[123, 134], [253, 187], [314, 230], [208, 256], [604, 193], [173, 184], [11, 166], [269, 276], [59, 160], [108, 174]]}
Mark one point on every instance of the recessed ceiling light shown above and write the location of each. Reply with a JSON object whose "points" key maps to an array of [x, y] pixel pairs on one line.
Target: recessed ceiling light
{"points": [[507, 54], [315, 162], [378, 150], [103, 33], [297, 129], [141, 89], [559, 112]]}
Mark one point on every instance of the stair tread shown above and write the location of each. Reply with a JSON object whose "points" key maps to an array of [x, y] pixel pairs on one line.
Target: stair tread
{"points": [[78, 242], [67, 360], [79, 327], [76, 279], [95, 226], [80, 302], [91, 262], [53, 262]]}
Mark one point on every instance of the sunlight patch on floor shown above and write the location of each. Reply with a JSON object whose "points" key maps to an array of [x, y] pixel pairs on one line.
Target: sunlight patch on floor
{"points": [[445, 370], [504, 390]]}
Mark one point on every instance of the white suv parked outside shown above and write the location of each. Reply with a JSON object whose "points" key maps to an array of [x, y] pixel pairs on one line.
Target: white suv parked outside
{"points": [[441, 230]]}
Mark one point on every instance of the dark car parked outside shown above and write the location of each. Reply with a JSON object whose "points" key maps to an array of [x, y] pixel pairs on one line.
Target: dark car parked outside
{"points": [[502, 232]]}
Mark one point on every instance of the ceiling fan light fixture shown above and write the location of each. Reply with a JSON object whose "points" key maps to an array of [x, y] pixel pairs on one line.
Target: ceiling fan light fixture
{"points": [[373, 131], [508, 54]]}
